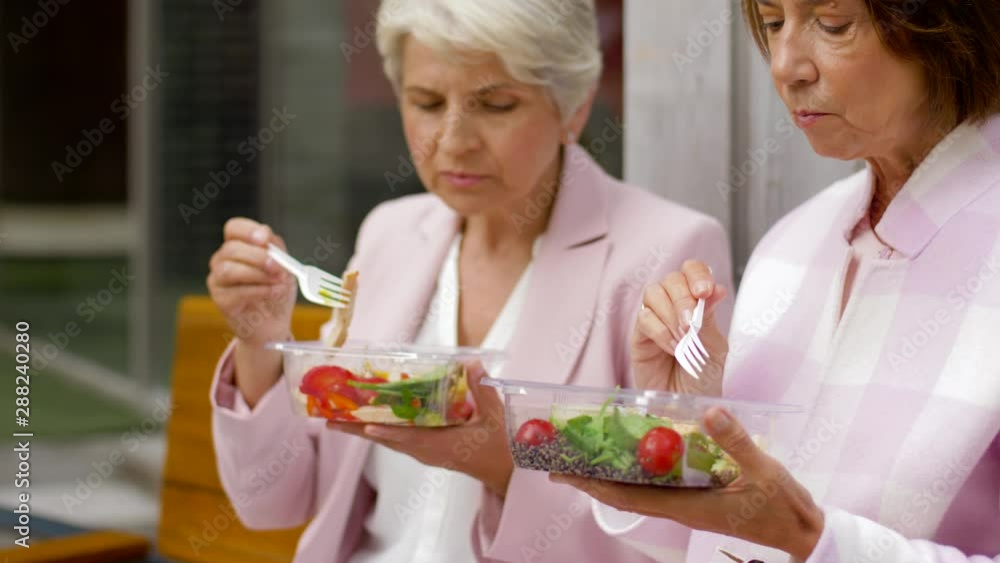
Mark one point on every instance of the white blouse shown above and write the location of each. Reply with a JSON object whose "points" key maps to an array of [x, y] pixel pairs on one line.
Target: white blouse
{"points": [[423, 514]]}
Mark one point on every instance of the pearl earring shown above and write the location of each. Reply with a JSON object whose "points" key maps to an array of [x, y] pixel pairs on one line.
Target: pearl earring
{"points": [[570, 138]]}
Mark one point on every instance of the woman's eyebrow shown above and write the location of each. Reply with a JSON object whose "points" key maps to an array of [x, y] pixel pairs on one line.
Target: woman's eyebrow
{"points": [[479, 92], [490, 88], [420, 90], [774, 4]]}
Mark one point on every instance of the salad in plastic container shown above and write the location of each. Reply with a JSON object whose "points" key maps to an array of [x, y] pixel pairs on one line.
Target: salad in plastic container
{"points": [[628, 435], [402, 385]]}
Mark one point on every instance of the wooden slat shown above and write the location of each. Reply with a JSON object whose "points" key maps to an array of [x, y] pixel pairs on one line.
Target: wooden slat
{"points": [[203, 528], [92, 547], [192, 461], [192, 493]]}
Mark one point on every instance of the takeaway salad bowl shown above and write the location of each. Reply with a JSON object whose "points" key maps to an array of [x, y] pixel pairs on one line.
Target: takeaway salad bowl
{"points": [[373, 383], [626, 435]]}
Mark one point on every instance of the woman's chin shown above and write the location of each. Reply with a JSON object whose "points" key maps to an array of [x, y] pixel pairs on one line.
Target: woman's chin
{"points": [[830, 148], [466, 202]]}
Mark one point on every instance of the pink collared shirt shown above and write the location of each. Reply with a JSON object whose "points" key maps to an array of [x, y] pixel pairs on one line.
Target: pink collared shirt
{"points": [[866, 250], [902, 386]]}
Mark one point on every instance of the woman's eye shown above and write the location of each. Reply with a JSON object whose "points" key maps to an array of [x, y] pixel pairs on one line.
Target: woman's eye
{"points": [[500, 108], [428, 106], [773, 26], [834, 29]]}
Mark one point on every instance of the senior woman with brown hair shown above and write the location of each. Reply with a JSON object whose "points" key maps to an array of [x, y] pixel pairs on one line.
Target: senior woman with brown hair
{"points": [[889, 334], [523, 244]]}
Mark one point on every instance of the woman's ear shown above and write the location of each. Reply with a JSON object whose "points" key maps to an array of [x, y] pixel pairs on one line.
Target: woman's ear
{"points": [[576, 122]]}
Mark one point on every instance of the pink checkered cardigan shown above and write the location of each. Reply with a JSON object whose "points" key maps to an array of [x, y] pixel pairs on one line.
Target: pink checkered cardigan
{"points": [[900, 441]]}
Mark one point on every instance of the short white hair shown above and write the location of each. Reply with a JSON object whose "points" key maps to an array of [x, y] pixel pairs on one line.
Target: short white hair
{"points": [[549, 43]]}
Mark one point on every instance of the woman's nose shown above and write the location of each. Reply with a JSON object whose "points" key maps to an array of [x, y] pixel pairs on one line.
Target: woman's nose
{"points": [[792, 58], [458, 133]]}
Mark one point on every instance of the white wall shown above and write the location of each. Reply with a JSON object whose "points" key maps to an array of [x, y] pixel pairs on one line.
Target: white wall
{"points": [[699, 105], [677, 126]]}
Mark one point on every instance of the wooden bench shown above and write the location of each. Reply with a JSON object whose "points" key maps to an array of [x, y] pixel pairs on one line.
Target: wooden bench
{"points": [[197, 521]]}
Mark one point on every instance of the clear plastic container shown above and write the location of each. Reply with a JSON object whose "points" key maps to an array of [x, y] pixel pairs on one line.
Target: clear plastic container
{"points": [[372, 383], [627, 435]]}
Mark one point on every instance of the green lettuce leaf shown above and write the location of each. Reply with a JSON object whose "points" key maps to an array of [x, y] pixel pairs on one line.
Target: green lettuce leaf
{"points": [[585, 434], [626, 430], [701, 452]]}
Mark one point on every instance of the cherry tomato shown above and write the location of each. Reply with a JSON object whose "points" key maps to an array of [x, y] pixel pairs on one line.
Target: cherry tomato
{"points": [[660, 450], [329, 384], [535, 432], [460, 411]]}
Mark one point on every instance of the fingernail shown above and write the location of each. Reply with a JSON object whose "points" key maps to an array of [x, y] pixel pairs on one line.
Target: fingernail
{"points": [[674, 343], [719, 420], [260, 235], [272, 265], [702, 287]]}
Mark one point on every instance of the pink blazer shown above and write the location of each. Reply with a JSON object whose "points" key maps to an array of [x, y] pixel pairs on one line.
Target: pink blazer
{"points": [[606, 241]]}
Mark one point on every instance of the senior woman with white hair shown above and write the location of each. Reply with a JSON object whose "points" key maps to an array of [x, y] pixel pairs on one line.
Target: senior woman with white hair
{"points": [[523, 244]]}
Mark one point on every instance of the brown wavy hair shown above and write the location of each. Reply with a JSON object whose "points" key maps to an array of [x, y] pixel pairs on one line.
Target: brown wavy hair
{"points": [[956, 41]]}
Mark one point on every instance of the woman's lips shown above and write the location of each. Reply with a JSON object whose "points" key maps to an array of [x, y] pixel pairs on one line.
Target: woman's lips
{"points": [[806, 119], [460, 180]]}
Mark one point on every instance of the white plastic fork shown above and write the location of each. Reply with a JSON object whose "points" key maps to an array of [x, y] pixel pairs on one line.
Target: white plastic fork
{"points": [[736, 558], [316, 285], [690, 352]]}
